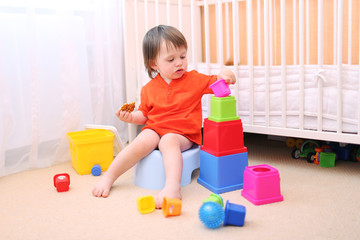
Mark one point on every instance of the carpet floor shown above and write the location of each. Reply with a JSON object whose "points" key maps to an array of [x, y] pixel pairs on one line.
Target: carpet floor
{"points": [[319, 203]]}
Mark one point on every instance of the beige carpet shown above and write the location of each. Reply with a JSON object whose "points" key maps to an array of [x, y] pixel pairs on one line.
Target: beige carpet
{"points": [[319, 203]]}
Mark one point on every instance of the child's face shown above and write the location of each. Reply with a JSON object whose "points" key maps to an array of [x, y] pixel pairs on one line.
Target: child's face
{"points": [[171, 62]]}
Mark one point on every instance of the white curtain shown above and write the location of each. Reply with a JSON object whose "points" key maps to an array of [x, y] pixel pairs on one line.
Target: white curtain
{"points": [[61, 67]]}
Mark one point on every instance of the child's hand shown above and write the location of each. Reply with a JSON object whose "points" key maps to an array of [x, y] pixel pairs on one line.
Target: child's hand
{"points": [[124, 116], [136, 117], [227, 75]]}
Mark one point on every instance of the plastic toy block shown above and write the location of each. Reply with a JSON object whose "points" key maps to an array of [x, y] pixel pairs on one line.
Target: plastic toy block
{"points": [[220, 88], [215, 198], [62, 182], [223, 138], [343, 153], [96, 170], [327, 159], [223, 109], [146, 204], [234, 214], [90, 147], [171, 207], [222, 174], [262, 185], [150, 173]]}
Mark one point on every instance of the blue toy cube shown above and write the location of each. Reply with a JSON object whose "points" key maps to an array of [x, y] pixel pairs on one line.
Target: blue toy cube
{"points": [[234, 214], [224, 173]]}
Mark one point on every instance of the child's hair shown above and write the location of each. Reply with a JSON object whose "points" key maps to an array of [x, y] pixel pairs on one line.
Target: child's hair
{"points": [[152, 42]]}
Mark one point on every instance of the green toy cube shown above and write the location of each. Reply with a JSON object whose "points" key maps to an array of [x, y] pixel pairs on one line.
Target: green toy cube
{"points": [[223, 109], [327, 159]]}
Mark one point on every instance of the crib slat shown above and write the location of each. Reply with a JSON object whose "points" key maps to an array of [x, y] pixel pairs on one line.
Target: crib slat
{"points": [[301, 64], [349, 31], [294, 33], [219, 27], [227, 31], [236, 53], [249, 34], [339, 65], [271, 24], [320, 33], [258, 8], [250, 59], [207, 45], [283, 63], [207, 35], [320, 63], [335, 33], [266, 59], [358, 95], [307, 21]]}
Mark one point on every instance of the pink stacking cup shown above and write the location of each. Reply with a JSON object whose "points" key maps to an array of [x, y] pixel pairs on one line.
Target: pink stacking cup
{"points": [[220, 88]]}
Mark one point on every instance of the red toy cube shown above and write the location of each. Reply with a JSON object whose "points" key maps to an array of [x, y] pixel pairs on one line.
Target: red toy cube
{"points": [[223, 138], [62, 182]]}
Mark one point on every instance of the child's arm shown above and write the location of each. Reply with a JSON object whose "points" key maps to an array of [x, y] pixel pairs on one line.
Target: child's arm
{"points": [[227, 75], [136, 117]]}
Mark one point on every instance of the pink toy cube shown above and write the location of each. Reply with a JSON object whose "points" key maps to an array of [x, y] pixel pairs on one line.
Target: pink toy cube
{"points": [[261, 185], [220, 88]]}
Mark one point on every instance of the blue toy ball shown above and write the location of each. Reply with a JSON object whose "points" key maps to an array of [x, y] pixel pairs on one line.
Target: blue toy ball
{"points": [[211, 214]]}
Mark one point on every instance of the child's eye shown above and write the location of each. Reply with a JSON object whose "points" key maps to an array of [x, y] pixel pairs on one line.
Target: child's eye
{"points": [[170, 60], [183, 57]]}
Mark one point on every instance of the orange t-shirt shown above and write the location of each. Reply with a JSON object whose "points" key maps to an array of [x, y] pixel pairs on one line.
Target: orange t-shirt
{"points": [[176, 107]]}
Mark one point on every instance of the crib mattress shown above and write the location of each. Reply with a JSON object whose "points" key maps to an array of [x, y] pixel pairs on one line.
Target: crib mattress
{"points": [[320, 85]]}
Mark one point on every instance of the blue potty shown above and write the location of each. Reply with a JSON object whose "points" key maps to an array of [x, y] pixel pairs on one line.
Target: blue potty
{"points": [[150, 173]]}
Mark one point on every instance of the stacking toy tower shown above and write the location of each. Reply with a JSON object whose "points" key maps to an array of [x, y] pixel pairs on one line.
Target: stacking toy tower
{"points": [[223, 156]]}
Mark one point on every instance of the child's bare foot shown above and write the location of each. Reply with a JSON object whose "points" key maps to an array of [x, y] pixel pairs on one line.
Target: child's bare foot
{"points": [[102, 188], [169, 192]]}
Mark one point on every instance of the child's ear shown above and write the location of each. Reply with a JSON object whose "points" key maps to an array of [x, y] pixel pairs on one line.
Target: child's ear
{"points": [[154, 65]]}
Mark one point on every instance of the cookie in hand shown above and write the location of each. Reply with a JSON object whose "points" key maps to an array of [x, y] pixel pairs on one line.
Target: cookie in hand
{"points": [[129, 107]]}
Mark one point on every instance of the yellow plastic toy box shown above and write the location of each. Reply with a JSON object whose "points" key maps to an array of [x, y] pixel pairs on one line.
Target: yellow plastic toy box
{"points": [[90, 147]]}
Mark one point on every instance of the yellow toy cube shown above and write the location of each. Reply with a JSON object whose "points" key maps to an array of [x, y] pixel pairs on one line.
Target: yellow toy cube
{"points": [[90, 147], [146, 204]]}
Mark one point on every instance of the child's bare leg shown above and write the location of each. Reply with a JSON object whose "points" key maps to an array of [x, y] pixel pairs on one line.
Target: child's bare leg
{"points": [[142, 145], [171, 145]]}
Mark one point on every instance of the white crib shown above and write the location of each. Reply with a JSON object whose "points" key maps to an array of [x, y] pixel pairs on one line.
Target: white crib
{"points": [[296, 61]]}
